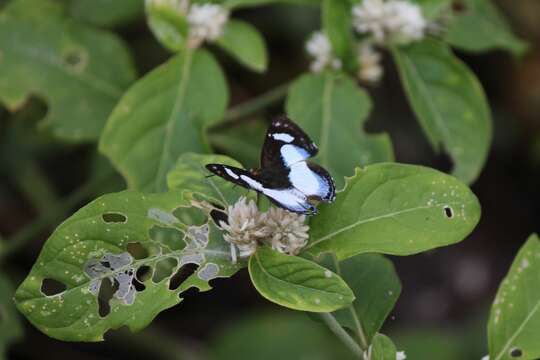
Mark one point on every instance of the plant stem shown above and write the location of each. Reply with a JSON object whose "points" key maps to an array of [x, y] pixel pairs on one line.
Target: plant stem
{"points": [[336, 328], [260, 102]]}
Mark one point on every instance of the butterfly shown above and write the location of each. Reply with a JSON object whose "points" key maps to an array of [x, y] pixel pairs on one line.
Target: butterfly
{"points": [[285, 177]]}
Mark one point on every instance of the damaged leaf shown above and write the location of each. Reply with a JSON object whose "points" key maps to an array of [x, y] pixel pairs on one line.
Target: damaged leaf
{"points": [[106, 267]]}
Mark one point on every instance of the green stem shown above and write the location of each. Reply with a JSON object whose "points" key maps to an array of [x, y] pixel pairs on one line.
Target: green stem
{"points": [[260, 102], [336, 328], [55, 214]]}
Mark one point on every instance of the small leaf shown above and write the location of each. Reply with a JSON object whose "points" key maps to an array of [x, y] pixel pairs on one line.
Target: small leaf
{"points": [[106, 12], [11, 330], [337, 24], [481, 27], [374, 299], [449, 103], [514, 321], [297, 283], [190, 175], [244, 42], [255, 3], [125, 239], [433, 9], [79, 71], [164, 115], [168, 24], [332, 110], [394, 209], [382, 348]]}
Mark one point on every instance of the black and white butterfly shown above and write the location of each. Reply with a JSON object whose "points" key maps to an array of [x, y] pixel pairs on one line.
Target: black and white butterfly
{"points": [[285, 176]]}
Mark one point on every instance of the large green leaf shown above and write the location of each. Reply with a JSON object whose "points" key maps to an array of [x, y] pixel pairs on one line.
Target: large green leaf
{"points": [[80, 72], [481, 27], [106, 12], [382, 348], [297, 283], [374, 299], [113, 239], [332, 110], [189, 174], [514, 322], [163, 115], [449, 103], [394, 209], [10, 326], [244, 42]]}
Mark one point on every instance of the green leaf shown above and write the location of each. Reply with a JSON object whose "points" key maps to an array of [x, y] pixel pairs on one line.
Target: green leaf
{"points": [[382, 348], [394, 209], [110, 240], [108, 13], [481, 27], [79, 71], [433, 9], [190, 175], [164, 115], [337, 24], [244, 42], [11, 330], [168, 24], [332, 110], [374, 299], [297, 283], [233, 4], [514, 321], [449, 103]]}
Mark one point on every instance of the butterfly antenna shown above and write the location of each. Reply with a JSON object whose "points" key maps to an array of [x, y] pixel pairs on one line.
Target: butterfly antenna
{"points": [[209, 176]]}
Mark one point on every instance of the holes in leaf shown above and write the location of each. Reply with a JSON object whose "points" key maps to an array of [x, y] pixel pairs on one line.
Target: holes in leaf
{"points": [[106, 292], [75, 59], [181, 275], [164, 269], [52, 287], [136, 250], [459, 7], [219, 216], [114, 218], [170, 237], [143, 273], [190, 215], [139, 286], [516, 353], [448, 211]]}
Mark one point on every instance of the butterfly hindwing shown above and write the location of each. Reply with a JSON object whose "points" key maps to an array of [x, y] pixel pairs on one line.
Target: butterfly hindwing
{"points": [[285, 144], [313, 181]]}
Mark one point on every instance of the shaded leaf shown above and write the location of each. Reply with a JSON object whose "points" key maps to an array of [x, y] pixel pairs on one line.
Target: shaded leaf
{"points": [[394, 209], [113, 239], [297, 283], [164, 115], [332, 110], [106, 13], [11, 330], [244, 42], [449, 104], [337, 25], [514, 321], [481, 27], [382, 348], [76, 69]]}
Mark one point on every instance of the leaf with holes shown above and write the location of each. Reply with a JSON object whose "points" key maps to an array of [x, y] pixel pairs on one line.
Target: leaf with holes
{"points": [[481, 27], [374, 299], [11, 330], [244, 42], [449, 103], [514, 321], [75, 68], [106, 12], [383, 348], [332, 110], [297, 283], [120, 261], [164, 115], [190, 175], [394, 209]]}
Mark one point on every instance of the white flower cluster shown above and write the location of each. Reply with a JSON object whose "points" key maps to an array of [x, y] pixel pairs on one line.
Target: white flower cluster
{"points": [[320, 48], [390, 21], [370, 69], [206, 23], [247, 228]]}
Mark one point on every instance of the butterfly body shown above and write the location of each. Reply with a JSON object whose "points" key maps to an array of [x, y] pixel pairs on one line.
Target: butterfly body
{"points": [[285, 177]]}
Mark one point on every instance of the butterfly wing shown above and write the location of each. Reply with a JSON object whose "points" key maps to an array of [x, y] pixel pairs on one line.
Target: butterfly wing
{"points": [[285, 144], [313, 181]]}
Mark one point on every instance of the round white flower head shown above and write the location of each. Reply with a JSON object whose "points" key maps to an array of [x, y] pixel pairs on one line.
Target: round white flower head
{"points": [[396, 21], [245, 227], [370, 69], [320, 48], [288, 233], [400, 355], [206, 22]]}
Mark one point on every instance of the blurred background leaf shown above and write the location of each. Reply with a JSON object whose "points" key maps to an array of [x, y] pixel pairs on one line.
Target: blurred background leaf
{"points": [[11, 329]]}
